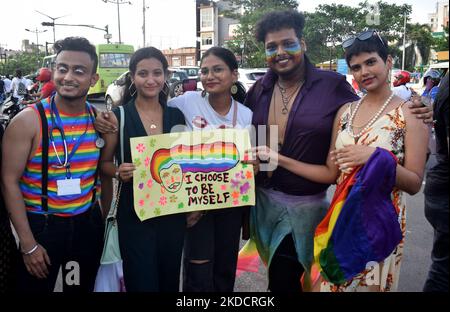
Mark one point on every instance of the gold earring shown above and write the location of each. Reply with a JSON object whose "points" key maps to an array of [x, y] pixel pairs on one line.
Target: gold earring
{"points": [[234, 89]]}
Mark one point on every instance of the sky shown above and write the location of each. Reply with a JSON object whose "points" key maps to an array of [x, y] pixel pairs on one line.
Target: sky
{"points": [[169, 23]]}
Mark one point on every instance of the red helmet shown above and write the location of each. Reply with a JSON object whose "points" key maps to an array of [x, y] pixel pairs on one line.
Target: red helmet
{"points": [[44, 75], [401, 78]]}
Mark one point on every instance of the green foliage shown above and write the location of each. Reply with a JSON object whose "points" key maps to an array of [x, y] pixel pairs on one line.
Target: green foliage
{"points": [[244, 42], [29, 63], [441, 44], [420, 36], [330, 23], [334, 23]]}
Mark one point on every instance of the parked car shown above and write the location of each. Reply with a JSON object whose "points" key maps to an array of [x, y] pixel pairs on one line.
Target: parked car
{"points": [[191, 71], [178, 82], [114, 92], [176, 77], [247, 77]]}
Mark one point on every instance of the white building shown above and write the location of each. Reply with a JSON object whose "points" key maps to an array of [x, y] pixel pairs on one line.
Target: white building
{"points": [[215, 29], [438, 19]]}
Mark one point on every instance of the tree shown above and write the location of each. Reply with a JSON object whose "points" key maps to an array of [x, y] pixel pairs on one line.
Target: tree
{"points": [[244, 43], [332, 23], [29, 63], [420, 36], [441, 43]]}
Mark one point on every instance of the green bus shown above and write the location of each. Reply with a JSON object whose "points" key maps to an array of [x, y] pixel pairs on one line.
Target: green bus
{"points": [[113, 60]]}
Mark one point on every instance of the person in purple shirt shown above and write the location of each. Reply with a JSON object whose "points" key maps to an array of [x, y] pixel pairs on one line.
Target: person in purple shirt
{"points": [[295, 105]]}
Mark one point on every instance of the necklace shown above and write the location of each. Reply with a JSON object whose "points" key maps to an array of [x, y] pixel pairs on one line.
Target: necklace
{"points": [[371, 121], [149, 120], [287, 98]]}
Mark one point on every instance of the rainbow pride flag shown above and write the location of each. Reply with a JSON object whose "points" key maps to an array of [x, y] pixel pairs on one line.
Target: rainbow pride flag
{"points": [[248, 258], [362, 223]]}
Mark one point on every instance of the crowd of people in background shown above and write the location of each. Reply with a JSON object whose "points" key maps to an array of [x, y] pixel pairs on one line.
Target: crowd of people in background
{"points": [[65, 152]]}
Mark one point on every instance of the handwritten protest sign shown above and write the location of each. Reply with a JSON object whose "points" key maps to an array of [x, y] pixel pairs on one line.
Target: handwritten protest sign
{"points": [[188, 171]]}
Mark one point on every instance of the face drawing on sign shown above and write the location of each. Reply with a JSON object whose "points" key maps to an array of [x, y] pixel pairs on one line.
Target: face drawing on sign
{"points": [[172, 177], [169, 166]]}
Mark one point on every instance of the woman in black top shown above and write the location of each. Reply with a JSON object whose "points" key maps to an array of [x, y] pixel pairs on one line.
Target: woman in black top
{"points": [[151, 250]]}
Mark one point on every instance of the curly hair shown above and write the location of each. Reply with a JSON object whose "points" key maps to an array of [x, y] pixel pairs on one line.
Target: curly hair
{"points": [[277, 20], [77, 44]]}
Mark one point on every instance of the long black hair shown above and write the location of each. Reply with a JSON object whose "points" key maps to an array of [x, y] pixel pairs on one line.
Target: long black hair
{"points": [[228, 58], [139, 55]]}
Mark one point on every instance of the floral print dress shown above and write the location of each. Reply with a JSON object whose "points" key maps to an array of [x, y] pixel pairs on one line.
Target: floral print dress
{"points": [[387, 132]]}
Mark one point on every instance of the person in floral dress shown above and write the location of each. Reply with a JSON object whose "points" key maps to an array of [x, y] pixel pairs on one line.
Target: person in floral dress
{"points": [[379, 119]]}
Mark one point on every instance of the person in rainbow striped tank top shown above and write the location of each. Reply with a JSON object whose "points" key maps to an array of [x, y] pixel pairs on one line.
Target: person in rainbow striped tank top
{"points": [[49, 178]]}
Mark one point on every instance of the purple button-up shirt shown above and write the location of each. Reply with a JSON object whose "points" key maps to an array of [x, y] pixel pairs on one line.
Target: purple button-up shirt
{"points": [[309, 126]]}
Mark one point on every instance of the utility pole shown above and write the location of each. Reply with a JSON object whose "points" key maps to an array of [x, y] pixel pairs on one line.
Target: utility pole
{"points": [[37, 32], [332, 45], [53, 21], [404, 41], [118, 3], [144, 7]]}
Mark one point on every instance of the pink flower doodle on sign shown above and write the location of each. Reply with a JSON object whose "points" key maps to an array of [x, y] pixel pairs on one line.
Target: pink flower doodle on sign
{"points": [[140, 148], [141, 203], [150, 183], [235, 202], [223, 187], [163, 200], [147, 161]]}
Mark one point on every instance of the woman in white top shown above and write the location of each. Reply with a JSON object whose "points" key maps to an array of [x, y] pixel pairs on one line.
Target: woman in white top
{"points": [[212, 239]]}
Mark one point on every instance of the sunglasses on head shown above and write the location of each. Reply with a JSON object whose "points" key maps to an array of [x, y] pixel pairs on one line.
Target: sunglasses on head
{"points": [[361, 37]]}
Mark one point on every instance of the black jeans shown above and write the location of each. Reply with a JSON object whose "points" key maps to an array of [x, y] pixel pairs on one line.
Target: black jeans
{"points": [[437, 213], [215, 238], [75, 243], [285, 270]]}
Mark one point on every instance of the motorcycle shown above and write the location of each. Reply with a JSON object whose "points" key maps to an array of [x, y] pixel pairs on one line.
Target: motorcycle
{"points": [[10, 108]]}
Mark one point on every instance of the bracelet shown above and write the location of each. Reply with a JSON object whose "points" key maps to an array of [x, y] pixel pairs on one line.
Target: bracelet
{"points": [[117, 175], [31, 251]]}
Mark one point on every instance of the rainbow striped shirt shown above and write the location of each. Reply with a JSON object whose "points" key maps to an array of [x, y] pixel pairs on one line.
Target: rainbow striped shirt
{"points": [[83, 166]]}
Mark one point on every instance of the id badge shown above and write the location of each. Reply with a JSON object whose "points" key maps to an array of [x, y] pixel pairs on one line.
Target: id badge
{"points": [[68, 187]]}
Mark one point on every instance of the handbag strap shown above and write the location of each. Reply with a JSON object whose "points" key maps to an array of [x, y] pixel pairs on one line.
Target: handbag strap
{"points": [[119, 188], [122, 125]]}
